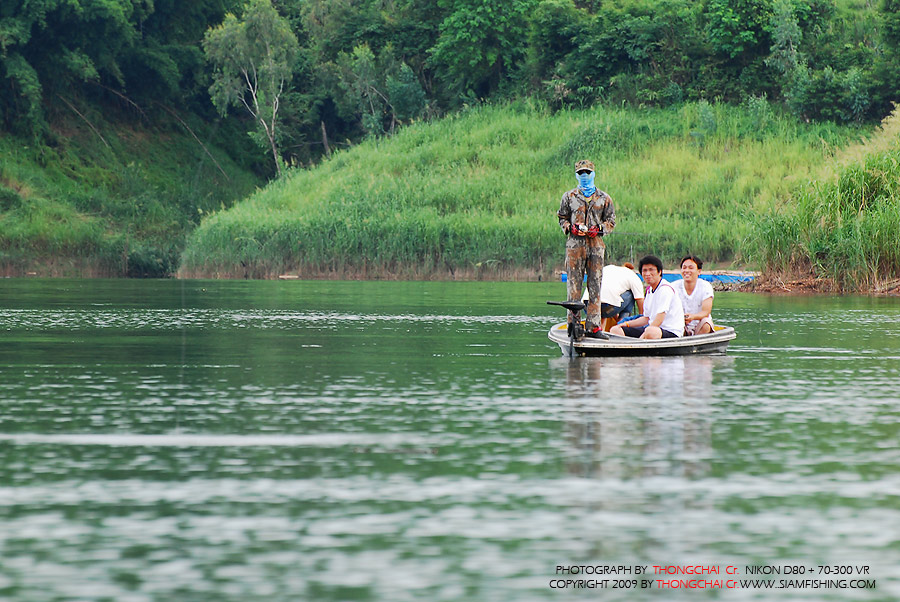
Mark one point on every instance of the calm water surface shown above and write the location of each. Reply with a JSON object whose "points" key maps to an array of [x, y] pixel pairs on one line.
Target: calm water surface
{"points": [[194, 440]]}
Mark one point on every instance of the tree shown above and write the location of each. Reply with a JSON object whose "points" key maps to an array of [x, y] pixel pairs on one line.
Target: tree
{"points": [[361, 81], [890, 11], [738, 41], [786, 38], [887, 67], [786, 57], [379, 87], [253, 59], [737, 28], [405, 93], [49, 48], [480, 43], [168, 59]]}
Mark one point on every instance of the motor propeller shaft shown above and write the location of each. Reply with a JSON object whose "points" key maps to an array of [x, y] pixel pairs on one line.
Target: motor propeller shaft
{"points": [[570, 305]]}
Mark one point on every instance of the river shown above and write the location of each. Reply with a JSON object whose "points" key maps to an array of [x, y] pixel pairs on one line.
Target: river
{"points": [[206, 440]]}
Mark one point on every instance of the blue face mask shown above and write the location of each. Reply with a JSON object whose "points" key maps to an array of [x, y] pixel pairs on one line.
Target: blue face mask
{"points": [[586, 183]]}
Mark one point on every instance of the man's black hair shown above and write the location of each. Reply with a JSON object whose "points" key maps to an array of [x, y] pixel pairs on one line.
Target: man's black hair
{"points": [[651, 260], [693, 258]]}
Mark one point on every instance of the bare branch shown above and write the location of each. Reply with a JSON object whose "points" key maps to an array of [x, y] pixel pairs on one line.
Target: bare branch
{"points": [[203, 146], [91, 125]]}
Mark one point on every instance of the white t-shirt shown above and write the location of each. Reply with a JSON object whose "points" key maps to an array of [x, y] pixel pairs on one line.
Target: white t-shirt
{"points": [[693, 302], [616, 280], [665, 299]]}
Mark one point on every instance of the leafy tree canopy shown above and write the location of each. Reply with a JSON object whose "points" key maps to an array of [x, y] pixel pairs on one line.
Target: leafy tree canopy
{"points": [[253, 59]]}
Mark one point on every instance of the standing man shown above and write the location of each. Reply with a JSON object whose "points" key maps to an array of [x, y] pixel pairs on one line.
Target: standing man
{"points": [[585, 214], [663, 316]]}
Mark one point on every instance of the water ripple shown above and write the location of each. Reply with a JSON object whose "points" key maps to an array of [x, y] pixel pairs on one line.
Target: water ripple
{"points": [[177, 319]]}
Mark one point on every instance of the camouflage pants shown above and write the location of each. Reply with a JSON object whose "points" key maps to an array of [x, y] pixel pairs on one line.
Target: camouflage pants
{"points": [[581, 259]]}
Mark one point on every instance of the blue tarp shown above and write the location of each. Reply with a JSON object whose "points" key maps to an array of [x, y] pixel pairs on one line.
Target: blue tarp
{"points": [[725, 278]]}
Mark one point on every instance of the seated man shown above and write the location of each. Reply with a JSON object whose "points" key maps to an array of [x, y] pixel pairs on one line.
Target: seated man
{"points": [[620, 290], [663, 317], [696, 297]]}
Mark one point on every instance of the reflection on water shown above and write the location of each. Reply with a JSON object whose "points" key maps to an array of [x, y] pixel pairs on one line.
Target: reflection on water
{"points": [[641, 416], [425, 441]]}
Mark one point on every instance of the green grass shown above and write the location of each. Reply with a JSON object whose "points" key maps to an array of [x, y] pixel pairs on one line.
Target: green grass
{"points": [[120, 206], [844, 225], [477, 193]]}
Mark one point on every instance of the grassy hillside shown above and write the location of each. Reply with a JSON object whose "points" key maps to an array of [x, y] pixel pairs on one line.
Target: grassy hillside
{"points": [[843, 226], [106, 197], [477, 193]]}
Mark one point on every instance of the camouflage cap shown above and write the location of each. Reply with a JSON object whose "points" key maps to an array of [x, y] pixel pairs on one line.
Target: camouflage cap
{"points": [[584, 164]]}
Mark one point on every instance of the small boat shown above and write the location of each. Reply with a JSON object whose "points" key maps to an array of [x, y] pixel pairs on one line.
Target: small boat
{"points": [[714, 342]]}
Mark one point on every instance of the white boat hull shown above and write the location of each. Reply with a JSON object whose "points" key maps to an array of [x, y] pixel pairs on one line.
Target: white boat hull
{"points": [[714, 342]]}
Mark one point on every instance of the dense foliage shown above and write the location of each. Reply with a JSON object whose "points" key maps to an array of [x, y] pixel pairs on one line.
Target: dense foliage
{"points": [[253, 59], [115, 201], [57, 50], [133, 76], [365, 66]]}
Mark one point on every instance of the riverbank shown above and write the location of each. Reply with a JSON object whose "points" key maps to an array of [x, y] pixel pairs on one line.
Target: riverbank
{"points": [[109, 196], [842, 226], [471, 197], [810, 285], [481, 189], [763, 283]]}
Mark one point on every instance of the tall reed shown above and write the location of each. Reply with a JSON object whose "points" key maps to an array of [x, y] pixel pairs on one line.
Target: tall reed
{"points": [[843, 226], [478, 192]]}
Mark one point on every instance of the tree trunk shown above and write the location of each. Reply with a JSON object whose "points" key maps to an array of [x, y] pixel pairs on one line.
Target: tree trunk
{"points": [[271, 135], [325, 140]]}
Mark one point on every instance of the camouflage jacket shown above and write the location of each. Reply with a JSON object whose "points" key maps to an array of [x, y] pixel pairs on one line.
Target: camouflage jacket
{"points": [[596, 210]]}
